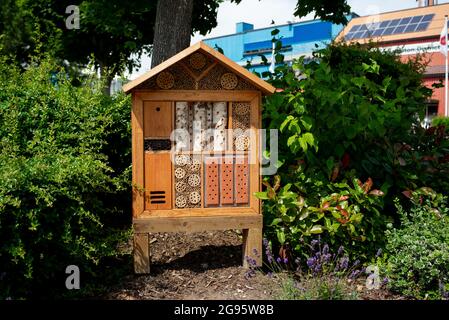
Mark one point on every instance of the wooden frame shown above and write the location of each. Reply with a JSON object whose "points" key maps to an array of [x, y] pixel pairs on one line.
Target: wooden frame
{"points": [[247, 218]]}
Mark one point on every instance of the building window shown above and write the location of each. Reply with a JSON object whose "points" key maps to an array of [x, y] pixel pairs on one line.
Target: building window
{"points": [[431, 112]]}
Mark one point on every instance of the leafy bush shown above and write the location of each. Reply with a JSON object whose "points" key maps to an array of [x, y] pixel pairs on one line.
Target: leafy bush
{"points": [[342, 214], [418, 263], [441, 121], [350, 115], [64, 177]]}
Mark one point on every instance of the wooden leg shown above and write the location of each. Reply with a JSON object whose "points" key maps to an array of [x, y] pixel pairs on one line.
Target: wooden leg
{"points": [[141, 253], [252, 246]]}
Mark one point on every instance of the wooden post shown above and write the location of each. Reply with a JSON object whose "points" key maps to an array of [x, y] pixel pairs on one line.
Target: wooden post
{"points": [[252, 246], [141, 253]]}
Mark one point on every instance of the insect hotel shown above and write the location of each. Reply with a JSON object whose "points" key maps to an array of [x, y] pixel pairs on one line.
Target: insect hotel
{"points": [[196, 150]]}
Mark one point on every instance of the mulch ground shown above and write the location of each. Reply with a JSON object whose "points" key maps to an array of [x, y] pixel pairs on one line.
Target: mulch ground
{"points": [[200, 266], [196, 266]]}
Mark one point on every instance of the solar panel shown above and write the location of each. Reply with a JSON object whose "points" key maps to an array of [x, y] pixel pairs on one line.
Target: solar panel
{"points": [[394, 22], [422, 26], [391, 27], [377, 32], [405, 20], [411, 28], [428, 17], [400, 29], [416, 19], [388, 31], [349, 36], [355, 28]]}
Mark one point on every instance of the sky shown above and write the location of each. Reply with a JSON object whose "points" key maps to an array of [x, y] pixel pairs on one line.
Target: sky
{"points": [[260, 13]]}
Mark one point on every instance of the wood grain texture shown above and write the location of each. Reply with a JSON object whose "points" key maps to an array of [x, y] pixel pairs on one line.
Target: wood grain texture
{"points": [[157, 119], [158, 181], [252, 246], [196, 95], [254, 153], [141, 253], [197, 224], [197, 212], [137, 156]]}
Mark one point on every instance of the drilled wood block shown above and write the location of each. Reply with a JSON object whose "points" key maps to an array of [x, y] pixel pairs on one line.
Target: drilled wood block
{"points": [[241, 180], [227, 181], [211, 193]]}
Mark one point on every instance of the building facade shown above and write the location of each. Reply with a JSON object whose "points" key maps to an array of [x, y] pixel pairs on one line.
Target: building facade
{"points": [[298, 39], [414, 32]]}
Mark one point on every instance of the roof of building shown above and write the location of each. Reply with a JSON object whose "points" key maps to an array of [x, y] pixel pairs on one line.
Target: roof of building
{"points": [[274, 26], [264, 86], [424, 22]]}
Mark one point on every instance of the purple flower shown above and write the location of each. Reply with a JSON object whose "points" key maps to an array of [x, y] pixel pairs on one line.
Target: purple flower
{"points": [[325, 249], [354, 274], [278, 260], [344, 263], [314, 243], [378, 253], [356, 263], [265, 243], [385, 281], [340, 250], [268, 251], [327, 257], [252, 262], [311, 262], [250, 273], [285, 260], [256, 253]]}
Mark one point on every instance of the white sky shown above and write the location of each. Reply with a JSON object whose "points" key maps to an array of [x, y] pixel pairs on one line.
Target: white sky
{"points": [[260, 13]]}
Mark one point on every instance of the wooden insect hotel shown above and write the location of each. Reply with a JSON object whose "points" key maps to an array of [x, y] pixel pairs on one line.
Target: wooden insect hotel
{"points": [[196, 150]]}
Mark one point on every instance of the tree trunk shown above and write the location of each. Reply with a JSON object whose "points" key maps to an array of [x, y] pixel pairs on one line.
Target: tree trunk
{"points": [[106, 76], [172, 29]]}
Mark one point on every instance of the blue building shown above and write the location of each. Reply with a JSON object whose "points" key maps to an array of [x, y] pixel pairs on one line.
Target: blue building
{"points": [[298, 39]]}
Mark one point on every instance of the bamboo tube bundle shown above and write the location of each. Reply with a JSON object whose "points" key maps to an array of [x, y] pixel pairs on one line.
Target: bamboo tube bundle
{"points": [[219, 122]]}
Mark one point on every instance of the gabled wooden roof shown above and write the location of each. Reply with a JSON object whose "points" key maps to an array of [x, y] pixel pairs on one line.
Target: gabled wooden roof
{"points": [[264, 86]]}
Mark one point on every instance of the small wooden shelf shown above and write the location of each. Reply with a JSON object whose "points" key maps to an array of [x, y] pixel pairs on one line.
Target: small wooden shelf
{"points": [[185, 222]]}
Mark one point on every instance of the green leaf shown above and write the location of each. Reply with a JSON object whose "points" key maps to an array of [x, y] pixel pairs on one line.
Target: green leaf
{"points": [[261, 195], [281, 236], [316, 229], [286, 121], [276, 221], [307, 122], [291, 140], [308, 137]]}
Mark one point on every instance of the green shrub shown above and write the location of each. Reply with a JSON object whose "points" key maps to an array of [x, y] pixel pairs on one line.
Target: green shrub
{"points": [[418, 263], [64, 177], [353, 115], [441, 121]]}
